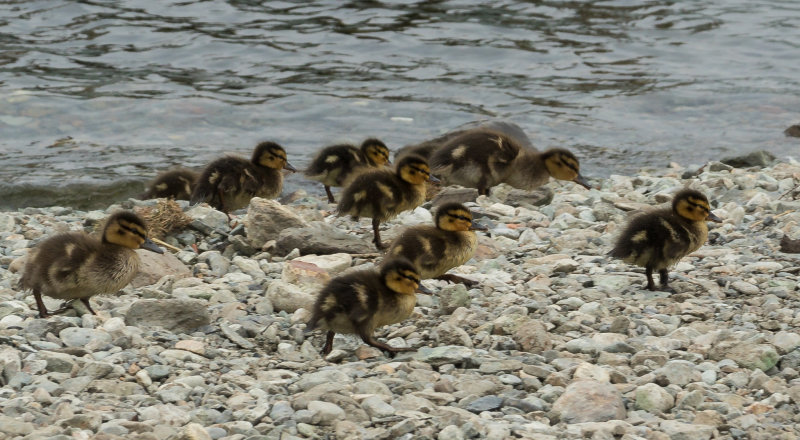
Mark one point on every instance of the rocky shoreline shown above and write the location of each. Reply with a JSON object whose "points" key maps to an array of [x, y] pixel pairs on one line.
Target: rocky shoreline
{"points": [[558, 341]]}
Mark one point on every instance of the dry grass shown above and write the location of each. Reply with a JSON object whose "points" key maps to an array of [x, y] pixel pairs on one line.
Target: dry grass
{"points": [[164, 218]]}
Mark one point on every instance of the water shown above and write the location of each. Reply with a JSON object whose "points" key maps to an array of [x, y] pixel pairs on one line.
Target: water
{"points": [[97, 96]]}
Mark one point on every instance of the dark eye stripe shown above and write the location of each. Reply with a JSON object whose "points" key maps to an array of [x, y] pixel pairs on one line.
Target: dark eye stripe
{"points": [[133, 231]]}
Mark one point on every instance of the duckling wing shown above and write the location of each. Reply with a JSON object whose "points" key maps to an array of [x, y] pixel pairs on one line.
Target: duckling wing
{"points": [[475, 158], [332, 164], [655, 239], [222, 174], [58, 262], [375, 194]]}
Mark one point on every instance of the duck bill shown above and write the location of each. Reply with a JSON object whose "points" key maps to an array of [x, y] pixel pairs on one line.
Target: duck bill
{"points": [[150, 246], [424, 290], [433, 179], [289, 167], [477, 227], [713, 218], [580, 180]]}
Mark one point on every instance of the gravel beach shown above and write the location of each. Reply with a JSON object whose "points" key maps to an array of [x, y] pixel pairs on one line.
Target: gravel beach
{"points": [[558, 341]]}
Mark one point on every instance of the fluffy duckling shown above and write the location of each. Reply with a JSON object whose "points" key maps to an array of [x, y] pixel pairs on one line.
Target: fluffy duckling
{"points": [[482, 158], [171, 184], [230, 182], [437, 249], [658, 239], [75, 265], [361, 301], [333, 165], [507, 128], [382, 194]]}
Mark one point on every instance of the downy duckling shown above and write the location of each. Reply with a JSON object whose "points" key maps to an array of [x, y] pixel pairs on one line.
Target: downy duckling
{"points": [[333, 165], [507, 128], [76, 265], [230, 182], [382, 194], [658, 239], [437, 249], [482, 158], [361, 301], [175, 184]]}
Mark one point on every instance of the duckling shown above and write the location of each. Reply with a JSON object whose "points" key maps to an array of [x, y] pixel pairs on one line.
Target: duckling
{"points": [[437, 249], [658, 239], [175, 184], [507, 128], [481, 158], [382, 194], [333, 165], [361, 301], [230, 182], [75, 265]]}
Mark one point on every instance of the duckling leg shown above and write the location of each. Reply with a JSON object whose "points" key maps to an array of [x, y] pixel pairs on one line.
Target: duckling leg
{"points": [[330, 194], [40, 304], [663, 276], [457, 279], [377, 233], [328, 343], [85, 302], [390, 351], [648, 271]]}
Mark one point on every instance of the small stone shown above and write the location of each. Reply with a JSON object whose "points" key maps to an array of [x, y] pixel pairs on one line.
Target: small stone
{"points": [[450, 432], [453, 296], [745, 288], [180, 315], [589, 401], [288, 297], [84, 337], [485, 403], [267, 220], [532, 336], [447, 354], [449, 334], [686, 431], [651, 397], [326, 413], [376, 408]]}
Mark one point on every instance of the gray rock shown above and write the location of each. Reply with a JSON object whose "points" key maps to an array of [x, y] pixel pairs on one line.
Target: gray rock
{"points": [[376, 408], [485, 403], [310, 380], [677, 430], [447, 354], [532, 336], [759, 158], [281, 411], [217, 264], [157, 371], [746, 354], [325, 413], [288, 297], [84, 337], [267, 220], [193, 431], [57, 362], [448, 334], [450, 432], [180, 315], [154, 266], [589, 401], [207, 220], [14, 427], [452, 297], [651, 397], [792, 131], [320, 238], [452, 194], [678, 373]]}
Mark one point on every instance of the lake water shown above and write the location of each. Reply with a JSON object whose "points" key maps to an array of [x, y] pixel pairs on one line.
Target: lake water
{"points": [[96, 97]]}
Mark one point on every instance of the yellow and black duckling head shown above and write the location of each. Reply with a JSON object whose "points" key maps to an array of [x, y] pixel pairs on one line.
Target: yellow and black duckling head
{"points": [[456, 217], [693, 206], [400, 276], [124, 228], [563, 165], [657, 239], [375, 152], [415, 170], [271, 155]]}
